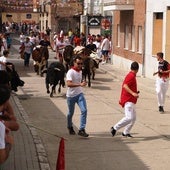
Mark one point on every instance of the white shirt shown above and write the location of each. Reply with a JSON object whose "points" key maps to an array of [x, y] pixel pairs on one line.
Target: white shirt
{"points": [[33, 40], [28, 47], [4, 43], [98, 46], [4, 60], [75, 77], [22, 38], [2, 135], [105, 44], [61, 33]]}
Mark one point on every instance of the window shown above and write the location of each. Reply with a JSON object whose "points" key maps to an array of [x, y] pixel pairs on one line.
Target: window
{"points": [[133, 38], [140, 39], [118, 35], [159, 15], [157, 32], [28, 16], [126, 36]]}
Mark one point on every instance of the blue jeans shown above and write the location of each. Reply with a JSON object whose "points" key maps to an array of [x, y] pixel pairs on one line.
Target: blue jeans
{"points": [[26, 59], [81, 101]]}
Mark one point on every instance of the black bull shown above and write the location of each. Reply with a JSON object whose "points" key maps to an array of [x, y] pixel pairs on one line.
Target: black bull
{"points": [[89, 64], [55, 74]]}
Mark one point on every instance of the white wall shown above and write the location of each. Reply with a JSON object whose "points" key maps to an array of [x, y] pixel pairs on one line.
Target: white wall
{"points": [[151, 7], [124, 64]]}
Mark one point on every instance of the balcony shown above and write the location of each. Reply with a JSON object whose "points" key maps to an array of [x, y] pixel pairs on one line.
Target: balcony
{"points": [[18, 5], [110, 5]]}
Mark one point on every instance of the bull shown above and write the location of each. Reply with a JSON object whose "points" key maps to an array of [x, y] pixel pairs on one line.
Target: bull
{"points": [[40, 56], [68, 54], [90, 62], [55, 74]]}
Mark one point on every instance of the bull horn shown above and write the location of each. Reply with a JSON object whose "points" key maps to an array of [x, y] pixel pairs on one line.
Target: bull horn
{"points": [[57, 69]]}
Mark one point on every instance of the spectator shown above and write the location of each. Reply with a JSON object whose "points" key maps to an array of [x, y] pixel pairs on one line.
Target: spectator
{"points": [[105, 47], [3, 60], [83, 39], [98, 45], [162, 81], [48, 31], [9, 41], [128, 100], [6, 139], [77, 40], [22, 38], [27, 51], [75, 95]]}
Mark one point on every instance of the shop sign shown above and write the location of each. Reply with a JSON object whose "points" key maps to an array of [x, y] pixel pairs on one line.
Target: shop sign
{"points": [[105, 24], [94, 21]]}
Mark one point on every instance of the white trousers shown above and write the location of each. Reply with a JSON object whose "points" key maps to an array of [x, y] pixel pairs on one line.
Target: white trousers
{"points": [[129, 119], [161, 89]]}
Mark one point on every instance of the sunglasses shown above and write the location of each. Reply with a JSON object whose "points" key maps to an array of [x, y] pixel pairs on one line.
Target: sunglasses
{"points": [[79, 63]]}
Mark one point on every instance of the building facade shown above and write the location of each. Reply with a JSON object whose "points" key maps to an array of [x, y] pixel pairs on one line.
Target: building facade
{"points": [[19, 11], [157, 37], [60, 14], [140, 30], [128, 31]]}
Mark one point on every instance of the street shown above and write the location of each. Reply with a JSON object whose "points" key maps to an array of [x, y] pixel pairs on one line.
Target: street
{"points": [[149, 149]]}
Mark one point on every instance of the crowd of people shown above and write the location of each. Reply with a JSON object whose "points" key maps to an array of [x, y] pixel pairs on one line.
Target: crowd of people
{"points": [[99, 44], [17, 28]]}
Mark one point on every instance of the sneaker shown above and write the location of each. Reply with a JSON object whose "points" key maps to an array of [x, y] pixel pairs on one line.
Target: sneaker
{"points": [[104, 62], [161, 109], [71, 131], [83, 133], [113, 131], [127, 135]]}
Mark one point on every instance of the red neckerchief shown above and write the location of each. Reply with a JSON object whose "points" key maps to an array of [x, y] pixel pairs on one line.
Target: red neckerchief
{"points": [[76, 69]]}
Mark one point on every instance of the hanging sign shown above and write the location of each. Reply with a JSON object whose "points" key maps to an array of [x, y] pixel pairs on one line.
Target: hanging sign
{"points": [[94, 21]]}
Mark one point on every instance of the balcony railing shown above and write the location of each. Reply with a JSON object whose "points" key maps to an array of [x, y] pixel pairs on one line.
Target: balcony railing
{"points": [[17, 5], [118, 2]]}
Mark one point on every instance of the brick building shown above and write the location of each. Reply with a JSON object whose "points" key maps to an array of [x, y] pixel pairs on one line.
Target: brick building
{"points": [[128, 31], [60, 14], [140, 30]]}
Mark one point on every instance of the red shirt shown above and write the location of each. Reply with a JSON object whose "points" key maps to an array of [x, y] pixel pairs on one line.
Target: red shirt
{"points": [[130, 80], [77, 41]]}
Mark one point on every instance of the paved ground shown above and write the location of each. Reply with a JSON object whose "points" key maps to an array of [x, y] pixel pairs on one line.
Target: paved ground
{"points": [[149, 149]]}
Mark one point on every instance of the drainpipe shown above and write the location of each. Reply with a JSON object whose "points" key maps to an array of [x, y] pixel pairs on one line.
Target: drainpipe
{"points": [[143, 54]]}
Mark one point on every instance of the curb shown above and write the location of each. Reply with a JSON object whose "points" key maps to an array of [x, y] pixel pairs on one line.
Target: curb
{"points": [[41, 152]]}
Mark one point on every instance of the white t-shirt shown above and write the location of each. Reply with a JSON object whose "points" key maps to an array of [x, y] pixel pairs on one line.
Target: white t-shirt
{"points": [[105, 44], [98, 46], [2, 135], [28, 47], [33, 40], [4, 60], [22, 38], [75, 77]]}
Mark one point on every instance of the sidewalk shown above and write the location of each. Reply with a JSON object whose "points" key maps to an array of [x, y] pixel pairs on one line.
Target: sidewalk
{"points": [[28, 152]]}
